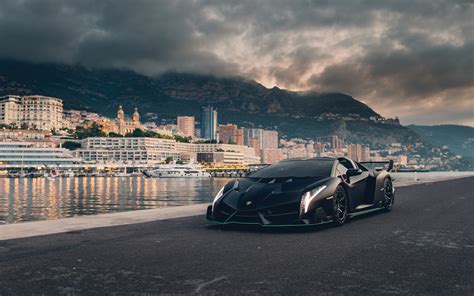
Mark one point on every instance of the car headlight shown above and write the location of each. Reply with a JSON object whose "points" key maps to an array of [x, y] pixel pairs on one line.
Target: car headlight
{"points": [[218, 196], [309, 196]]}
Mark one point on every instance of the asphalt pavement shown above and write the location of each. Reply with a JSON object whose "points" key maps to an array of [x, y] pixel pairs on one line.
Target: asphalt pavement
{"points": [[424, 246]]}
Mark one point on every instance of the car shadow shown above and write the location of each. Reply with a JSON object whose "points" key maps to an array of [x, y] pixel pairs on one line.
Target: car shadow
{"points": [[290, 228], [270, 229]]}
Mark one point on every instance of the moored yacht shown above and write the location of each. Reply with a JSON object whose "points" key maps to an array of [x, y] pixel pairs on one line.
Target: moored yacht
{"points": [[177, 171]]}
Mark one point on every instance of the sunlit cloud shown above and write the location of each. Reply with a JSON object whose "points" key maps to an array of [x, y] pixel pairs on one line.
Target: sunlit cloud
{"points": [[411, 59]]}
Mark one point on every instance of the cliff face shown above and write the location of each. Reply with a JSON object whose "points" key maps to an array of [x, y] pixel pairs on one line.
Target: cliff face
{"points": [[238, 100]]}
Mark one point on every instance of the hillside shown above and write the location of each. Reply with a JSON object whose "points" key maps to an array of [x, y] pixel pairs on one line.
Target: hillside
{"points": [[238, 100], [459, 138]]}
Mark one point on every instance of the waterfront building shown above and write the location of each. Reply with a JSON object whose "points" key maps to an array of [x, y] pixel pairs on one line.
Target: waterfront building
{"points": [[154, 151], [127, 150], [248, 155], [186, 126], [336, 143], [255, 144], [221, 158], [319, 148], [21, 135], [365, 154], [270, 139], [402, 159], [271, 155], [230, 133], [32, 155], [253, 137], [209, 123], [354, 152], [38, 112], [260, 137], [297, 152]]}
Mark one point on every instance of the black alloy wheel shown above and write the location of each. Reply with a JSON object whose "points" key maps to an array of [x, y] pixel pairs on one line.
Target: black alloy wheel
{"points": [[388, 195], [340, 206]]}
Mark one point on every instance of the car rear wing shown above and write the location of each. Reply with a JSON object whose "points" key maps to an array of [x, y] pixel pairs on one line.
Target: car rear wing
{"points": [[389, 162]]}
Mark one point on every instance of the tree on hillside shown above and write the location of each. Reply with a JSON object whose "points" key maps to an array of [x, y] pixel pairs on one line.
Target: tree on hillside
{"points": [[70, 145], [115, 135], [94, 131]]}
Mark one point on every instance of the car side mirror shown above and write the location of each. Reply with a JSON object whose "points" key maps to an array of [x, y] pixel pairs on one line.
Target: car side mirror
{"points": [[353, 172], [390, 165]]}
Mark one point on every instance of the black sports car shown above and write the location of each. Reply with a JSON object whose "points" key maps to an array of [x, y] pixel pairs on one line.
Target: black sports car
{"points": [[304, 191]]}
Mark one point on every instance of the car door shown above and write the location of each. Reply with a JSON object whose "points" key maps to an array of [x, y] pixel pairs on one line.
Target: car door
{"points": [[357, 184]]}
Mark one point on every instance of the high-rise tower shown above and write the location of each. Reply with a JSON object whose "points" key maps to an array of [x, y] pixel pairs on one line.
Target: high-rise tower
{"points": [[209, 122]]}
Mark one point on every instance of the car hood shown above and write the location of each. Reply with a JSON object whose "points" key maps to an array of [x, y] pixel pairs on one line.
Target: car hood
{"points": [[252, 194]]}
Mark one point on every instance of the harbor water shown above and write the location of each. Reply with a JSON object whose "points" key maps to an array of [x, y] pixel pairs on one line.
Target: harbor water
{"points": [[33, 199]]}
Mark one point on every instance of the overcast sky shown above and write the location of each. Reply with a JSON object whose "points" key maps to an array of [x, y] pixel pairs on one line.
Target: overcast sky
{"points": [[414, 59]]}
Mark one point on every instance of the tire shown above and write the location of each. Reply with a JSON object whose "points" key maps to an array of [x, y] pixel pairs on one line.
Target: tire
{"points": [[388, 193], [340, 206]]}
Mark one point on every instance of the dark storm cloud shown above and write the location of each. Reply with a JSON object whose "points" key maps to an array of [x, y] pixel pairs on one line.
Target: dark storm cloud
{"points": [[388, 53]]}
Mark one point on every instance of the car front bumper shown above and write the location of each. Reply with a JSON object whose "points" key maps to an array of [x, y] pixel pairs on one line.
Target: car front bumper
{"points": [[263, 217]]}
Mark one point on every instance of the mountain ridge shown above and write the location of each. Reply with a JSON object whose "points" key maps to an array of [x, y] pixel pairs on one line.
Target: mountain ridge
{"points": [[239, 100], [459, 138]]}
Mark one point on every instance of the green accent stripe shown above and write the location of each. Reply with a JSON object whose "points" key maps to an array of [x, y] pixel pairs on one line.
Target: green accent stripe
{"points": [[268, 225], [354, 214]]}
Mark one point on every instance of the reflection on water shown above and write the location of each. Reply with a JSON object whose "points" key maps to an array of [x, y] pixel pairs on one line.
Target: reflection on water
{"points": [[44, 199], [33, 199]]}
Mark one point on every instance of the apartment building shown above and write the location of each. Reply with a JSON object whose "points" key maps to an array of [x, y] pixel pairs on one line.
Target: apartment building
{"points": [[39, 112]]}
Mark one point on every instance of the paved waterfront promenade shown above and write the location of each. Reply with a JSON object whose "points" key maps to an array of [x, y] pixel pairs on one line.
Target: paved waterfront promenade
{"points": [[424, 246]]}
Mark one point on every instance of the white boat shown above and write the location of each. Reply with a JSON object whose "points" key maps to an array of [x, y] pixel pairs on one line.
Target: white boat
{"points": [[51, 175], [69, 174], [122, 174], [177, 171]]}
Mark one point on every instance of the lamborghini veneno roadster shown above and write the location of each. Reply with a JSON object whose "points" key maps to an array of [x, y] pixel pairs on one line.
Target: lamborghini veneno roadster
{"points": [[304, 191]]}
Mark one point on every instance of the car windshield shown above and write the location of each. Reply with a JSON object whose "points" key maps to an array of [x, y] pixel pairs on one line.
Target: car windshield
{"points": [[296, 169]]}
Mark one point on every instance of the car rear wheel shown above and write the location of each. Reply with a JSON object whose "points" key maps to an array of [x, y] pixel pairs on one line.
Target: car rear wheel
{"points": [[340, 205], [389, 197]]}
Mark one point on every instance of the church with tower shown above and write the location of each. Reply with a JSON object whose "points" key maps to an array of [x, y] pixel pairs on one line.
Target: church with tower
{"points": [[121, 124], [124, 125]]}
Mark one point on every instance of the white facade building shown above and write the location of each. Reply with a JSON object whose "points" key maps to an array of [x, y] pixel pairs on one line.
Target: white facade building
{"points": [[39, 112], [127, 150], [29, 155], [130, 150]]}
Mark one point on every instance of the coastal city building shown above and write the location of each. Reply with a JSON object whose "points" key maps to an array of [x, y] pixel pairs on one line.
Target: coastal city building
{"points": [[38, 112], [358, 152], [130, 150], [21, 135], [186, 126], [74, 118], [32, 155], [127, 150], [270, 139], [271, 155], [221, 158], [260, 138], [209, 123], [336, 142], [253, 136], [354, 151], [230, 133], [365, 154], [120, 125]]}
